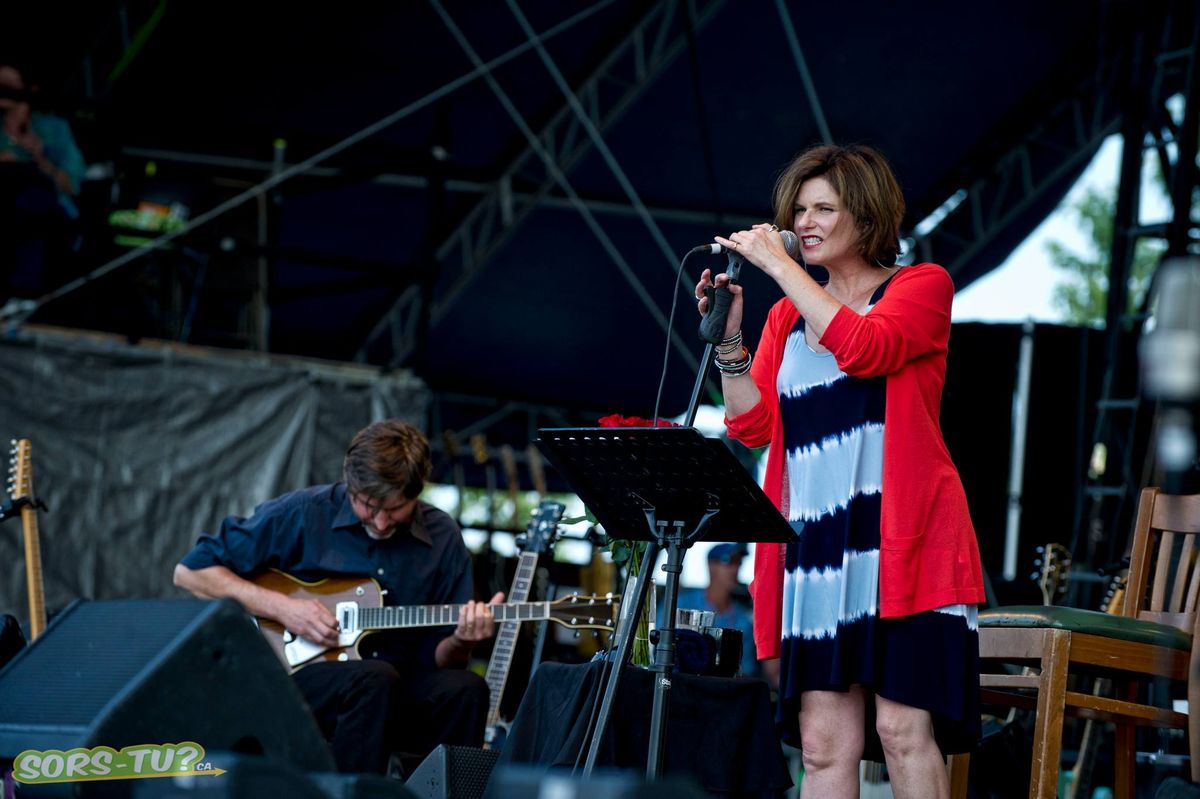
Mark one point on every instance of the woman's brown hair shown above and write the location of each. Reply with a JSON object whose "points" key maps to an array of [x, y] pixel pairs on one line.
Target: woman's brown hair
{"points": [[864, 183]]}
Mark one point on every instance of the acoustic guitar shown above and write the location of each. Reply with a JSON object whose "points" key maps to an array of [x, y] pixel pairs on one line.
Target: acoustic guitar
{"points": [[1078, 784], [357, 604]]}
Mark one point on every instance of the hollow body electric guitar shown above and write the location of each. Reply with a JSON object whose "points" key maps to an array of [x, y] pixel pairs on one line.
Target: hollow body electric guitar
{"points": [[357, 604]]}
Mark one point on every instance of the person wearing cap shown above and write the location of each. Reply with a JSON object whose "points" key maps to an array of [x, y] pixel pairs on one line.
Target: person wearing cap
{"points": [[728, 599], [872, 607]]}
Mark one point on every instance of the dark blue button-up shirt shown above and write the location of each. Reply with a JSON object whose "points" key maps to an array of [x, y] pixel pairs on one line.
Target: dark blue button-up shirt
{"points": [[314, 533]]}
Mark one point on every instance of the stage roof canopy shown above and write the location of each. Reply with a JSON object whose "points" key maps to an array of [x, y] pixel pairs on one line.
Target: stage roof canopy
{"points": [[530, 172]]}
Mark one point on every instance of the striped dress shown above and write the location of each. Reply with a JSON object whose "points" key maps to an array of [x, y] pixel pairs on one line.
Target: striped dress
{"points": [[833, 636]]}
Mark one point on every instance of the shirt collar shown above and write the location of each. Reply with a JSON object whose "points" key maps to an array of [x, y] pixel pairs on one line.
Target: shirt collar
{"points": [[346, 517]]}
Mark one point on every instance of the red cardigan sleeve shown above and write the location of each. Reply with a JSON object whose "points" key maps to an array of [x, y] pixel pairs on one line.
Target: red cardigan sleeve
{"points": [[911, 320]]}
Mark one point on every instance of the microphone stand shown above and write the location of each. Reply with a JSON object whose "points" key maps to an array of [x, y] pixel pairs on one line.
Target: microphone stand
{"points": [[712, 331]]}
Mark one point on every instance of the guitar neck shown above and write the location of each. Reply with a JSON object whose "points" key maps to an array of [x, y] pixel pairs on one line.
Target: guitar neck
{"points": [[21, 469], [398, 617], [33, 572], [506, 639]]}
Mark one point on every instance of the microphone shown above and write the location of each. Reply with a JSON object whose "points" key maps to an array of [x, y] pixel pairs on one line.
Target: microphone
{"points": [[712, 324], [790, 243]]}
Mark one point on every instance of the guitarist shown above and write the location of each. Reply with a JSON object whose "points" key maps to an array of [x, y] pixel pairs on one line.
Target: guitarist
{"points": [[410, 692]]}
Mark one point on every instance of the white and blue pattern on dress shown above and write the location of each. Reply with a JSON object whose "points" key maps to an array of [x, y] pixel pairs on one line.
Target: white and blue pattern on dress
{"points": [[833, 638], [834, 463]]}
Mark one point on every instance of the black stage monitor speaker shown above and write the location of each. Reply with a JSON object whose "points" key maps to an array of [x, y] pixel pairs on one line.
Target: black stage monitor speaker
{"points": [[127, 672], [453, 772]]}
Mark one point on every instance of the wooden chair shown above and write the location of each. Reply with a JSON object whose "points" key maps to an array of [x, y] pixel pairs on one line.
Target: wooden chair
{"points": [[1148, 641]]}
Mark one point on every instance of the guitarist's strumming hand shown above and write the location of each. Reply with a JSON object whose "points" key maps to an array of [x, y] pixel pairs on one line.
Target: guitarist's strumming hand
{"points": [[310, 619]]}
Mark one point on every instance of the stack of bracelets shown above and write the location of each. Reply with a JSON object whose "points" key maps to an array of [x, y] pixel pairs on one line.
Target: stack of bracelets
{"points": [[737, 365]]}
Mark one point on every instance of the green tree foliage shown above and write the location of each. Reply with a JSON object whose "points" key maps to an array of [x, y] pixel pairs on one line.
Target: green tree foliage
{"points": [[1083, 294]]}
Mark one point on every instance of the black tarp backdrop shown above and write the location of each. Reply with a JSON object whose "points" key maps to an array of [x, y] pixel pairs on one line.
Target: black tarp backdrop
{"points": [[977, 420], [138, 450]]}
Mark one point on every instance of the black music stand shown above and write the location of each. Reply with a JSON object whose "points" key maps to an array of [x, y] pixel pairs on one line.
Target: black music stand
{"points": [[670, 486]]}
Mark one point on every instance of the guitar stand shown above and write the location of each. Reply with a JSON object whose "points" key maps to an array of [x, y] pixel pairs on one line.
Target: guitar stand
{"points": [[672, 487]]}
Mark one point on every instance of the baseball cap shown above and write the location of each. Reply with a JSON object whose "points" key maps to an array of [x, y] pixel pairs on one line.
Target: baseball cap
{"points": [[726, 553]]}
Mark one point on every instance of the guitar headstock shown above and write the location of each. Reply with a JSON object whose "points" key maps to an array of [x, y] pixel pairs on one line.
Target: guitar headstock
{"points": [[20, 470], [1114, 597], [590, 612], [1054, 563], [543, 527]]}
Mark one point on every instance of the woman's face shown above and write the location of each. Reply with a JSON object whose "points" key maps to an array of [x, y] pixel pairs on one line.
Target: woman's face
{"points": [[826, 230]]}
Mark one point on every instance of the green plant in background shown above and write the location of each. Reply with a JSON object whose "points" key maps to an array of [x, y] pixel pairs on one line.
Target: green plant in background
{"points": [[1083, 294]]}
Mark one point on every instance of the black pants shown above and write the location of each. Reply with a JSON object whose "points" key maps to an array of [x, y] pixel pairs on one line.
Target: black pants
{"points": [[367, 710]]}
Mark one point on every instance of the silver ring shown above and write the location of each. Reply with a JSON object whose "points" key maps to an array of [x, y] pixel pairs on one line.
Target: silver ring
{"points": [[775, 228]]}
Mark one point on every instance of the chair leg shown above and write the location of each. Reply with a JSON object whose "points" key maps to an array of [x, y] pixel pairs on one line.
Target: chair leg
{"points": [[1052, 695], [958, 767], [1124, 761]]}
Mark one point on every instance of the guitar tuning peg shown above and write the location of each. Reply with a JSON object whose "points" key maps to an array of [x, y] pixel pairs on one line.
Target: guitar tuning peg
{"points": [[1039, 549]]}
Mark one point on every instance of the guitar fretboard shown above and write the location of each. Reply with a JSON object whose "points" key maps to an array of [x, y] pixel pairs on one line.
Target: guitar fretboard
{"points": [[506, 639], [391, 618]]}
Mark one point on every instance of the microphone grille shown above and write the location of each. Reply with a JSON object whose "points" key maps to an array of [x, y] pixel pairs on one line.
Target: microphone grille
{"points": [[790, 242]]}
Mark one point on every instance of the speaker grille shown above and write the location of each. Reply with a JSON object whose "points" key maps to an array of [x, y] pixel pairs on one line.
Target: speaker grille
{"points": [[118, 673], [470, 770], [96, 649], [453, 772]]}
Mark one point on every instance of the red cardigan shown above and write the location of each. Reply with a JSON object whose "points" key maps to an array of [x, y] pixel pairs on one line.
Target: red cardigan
{"points": [[928, 553]]}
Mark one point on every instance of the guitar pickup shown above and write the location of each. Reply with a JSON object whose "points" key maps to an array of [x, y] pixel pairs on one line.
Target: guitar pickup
{"points": [[346, 614]]}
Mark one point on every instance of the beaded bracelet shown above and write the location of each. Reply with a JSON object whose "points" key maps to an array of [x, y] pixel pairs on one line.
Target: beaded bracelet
{"points": [[730, 345], [736, 371], [735, 368]]}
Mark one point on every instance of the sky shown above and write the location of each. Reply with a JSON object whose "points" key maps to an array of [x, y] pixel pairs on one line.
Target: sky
{"points": [[1021, 287]]}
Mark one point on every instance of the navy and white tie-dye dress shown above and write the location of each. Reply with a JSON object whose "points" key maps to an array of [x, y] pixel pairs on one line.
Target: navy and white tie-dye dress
{"points": [[833, 637]]}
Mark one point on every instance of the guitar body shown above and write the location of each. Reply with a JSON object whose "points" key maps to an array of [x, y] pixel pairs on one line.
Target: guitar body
{"points": [[329, 592]]}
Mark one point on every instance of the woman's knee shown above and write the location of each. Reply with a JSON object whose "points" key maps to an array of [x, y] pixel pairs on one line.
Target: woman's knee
{"points": [[830, 740], [902, 728]]}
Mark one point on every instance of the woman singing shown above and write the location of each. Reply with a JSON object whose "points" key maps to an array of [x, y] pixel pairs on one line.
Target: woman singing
{"points": [[873, 607]]}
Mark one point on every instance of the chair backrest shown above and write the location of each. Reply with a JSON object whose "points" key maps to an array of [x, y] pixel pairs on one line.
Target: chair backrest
{"points": [[1164, 565]]}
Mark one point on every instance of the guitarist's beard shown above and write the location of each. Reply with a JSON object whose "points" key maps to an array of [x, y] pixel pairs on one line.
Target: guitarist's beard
{"points": [[381, 535]]}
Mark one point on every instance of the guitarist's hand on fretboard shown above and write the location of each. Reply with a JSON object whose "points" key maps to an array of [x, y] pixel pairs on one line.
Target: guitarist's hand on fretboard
{"points": [[476, 623]]}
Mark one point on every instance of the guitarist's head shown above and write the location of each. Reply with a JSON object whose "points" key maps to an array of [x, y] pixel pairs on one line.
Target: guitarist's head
{"points": [[385, 471]]}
